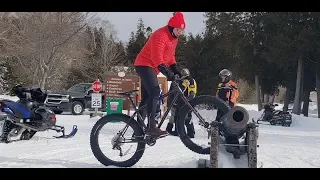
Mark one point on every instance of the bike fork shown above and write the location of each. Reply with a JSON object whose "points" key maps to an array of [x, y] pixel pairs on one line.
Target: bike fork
{"points": [[202, 121]]}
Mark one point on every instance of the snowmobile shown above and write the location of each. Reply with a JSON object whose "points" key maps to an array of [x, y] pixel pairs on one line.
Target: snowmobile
{"points": [[275, 117], [23, 118]]}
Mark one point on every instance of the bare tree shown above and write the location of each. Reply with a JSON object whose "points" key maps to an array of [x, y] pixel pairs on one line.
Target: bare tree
{"points": [[256, 80], [43, 44], [318, 87], [108, 53], [296, 106]]}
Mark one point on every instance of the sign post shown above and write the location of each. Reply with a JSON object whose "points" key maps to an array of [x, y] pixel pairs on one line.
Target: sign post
{"points": [[96, 98]]}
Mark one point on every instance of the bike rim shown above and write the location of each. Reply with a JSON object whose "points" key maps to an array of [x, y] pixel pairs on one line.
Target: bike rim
{"points": [[108, 139], [202, 136]]}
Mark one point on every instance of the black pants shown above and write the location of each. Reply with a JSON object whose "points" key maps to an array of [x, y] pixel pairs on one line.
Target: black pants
{"points": [[268, 115], [220, 114], [150, 91], [179, 102], [177, 107]]}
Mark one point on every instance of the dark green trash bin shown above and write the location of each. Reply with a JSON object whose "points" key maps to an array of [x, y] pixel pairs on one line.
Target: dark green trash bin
{"points": [[114, 105]]}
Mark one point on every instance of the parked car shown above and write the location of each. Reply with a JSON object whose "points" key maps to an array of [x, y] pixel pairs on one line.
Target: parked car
{"points": [[75, 100]]}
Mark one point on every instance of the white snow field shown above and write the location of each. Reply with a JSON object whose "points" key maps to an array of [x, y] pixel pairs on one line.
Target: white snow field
{"points": [[284, 147]]}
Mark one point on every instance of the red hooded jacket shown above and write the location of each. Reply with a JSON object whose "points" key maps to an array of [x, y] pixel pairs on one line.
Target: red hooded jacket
{"points": [[161, 46]]}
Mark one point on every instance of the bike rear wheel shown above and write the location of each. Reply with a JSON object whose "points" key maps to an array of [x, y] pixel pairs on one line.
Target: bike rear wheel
{"points": [[118, 140], [204, 103]]}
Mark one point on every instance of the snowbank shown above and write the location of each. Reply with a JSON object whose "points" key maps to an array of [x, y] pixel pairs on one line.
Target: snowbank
{"points": [[13, 98], [284, 147]]}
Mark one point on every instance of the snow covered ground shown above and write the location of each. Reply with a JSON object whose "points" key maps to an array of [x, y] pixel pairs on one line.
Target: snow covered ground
{"points": [[285, 147]]}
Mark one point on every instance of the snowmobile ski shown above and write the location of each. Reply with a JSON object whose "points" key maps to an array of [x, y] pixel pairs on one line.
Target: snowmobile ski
{"points": [[71, 134], [264, 123]]}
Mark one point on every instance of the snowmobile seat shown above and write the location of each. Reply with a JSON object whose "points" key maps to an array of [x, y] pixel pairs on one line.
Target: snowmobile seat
{"points": [[21, 109]]}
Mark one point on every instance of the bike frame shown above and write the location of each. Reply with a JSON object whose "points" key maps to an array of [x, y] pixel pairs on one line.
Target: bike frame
{"points": [[141, 121], [179, 93]]}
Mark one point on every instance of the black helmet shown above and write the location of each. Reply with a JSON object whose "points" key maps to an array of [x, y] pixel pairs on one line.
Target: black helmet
{"points": [[225, 72], [15, 90], [19, 91], [185, 72]]}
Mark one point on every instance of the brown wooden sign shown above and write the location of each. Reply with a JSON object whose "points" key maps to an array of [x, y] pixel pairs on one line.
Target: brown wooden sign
{"points": [[120, 82], [163, 83]]}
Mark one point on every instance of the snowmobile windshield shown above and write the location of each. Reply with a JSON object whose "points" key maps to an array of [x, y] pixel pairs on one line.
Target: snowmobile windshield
{"points": [[82, 88]]}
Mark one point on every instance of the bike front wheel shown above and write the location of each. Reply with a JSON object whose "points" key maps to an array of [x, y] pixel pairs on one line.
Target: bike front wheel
{"points": [[204, 105], [129, 133]]}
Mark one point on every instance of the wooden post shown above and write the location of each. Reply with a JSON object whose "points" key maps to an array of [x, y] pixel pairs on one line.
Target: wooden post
{"points": [[252, 137], [214, 149]]}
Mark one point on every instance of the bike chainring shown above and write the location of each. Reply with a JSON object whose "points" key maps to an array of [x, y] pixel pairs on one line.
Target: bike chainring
{"points": [[150, 140]]}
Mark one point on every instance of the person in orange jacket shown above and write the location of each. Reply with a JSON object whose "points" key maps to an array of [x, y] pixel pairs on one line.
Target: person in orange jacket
{"points": [[228, 92], [227, 89], [158, 55]]}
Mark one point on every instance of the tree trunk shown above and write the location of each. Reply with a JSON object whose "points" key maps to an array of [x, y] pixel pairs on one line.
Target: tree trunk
{"points": [[267, 98], [262, 95], [273, 97], [305, 108], [35, 74], [318, 88], [302, 84], [43, 80], [286, 100], [296, 109], [256, 78]]}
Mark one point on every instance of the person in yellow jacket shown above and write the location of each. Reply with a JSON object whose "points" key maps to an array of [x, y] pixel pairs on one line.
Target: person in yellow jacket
{"points": [[191, 91]]}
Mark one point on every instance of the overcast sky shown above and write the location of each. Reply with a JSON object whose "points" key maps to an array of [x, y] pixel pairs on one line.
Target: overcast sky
{"points": [[125, 22]]}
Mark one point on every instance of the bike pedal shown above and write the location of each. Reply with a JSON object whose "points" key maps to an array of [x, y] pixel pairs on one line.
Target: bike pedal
{"points": [[165, 135], [157, 137]]}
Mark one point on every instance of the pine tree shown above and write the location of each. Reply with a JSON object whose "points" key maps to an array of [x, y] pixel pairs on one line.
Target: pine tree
{"points": [[3, 72], [148, 31], [136, 42], [8, 79], [131, 52]]}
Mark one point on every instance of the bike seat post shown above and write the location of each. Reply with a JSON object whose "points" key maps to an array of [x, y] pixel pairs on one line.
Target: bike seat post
{"points": [[131, 101]]}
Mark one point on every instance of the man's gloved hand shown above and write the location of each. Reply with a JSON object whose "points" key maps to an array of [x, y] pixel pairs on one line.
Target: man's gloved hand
{"points": [[175, 70], [165, 71], [171, 76]]}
